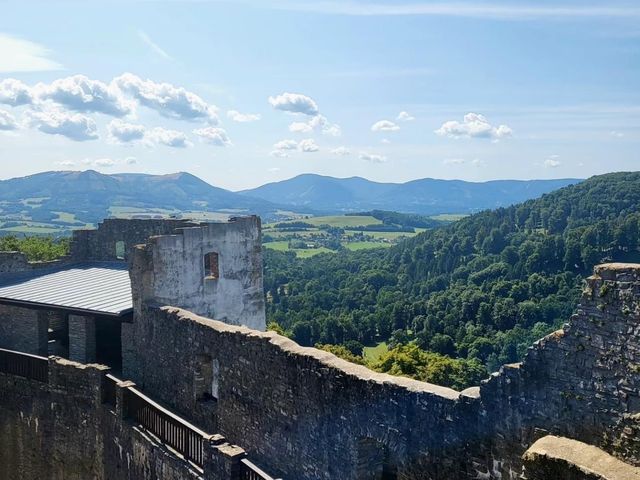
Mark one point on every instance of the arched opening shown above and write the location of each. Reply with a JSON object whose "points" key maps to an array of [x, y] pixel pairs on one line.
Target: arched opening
{"points": [[373, 462], [206, 378], [120, 250], [211, 265]]}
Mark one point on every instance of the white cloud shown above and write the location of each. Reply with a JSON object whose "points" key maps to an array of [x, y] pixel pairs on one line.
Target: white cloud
{"points": [[616, 134], [15, 93], [285, 145], [278, 153], [300, 127], [341, 151], [405, 117], [473, 125], [454, 161], [104, 162], [167, 99], [384, 126], [154, 46], [81, 94], [317, 123], [308, 145], [372, 157], [125, 132], [98, 162], [170, 138], [71, 125], [18, 55], [7, 121], [552, 161], [214, 135], [281, 148], [242, 117], [66, 163], [386, 141], [295, 103], [476, 162]]}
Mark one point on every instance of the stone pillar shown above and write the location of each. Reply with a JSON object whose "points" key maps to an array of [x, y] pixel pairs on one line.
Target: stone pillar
{"points": [[82, 338], [222, 460], [121, 404]]}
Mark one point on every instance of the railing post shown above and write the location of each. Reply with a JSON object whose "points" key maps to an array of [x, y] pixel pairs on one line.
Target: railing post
{"points": [[122, 409], [222, 461]]}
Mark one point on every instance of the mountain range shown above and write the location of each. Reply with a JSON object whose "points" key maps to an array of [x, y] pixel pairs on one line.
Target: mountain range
{"points": [[90, 196], [426, 196]]}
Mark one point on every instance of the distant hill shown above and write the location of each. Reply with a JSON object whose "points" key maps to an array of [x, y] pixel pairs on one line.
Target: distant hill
{"points": [[89, 195], [481, 289], [425, 196]]}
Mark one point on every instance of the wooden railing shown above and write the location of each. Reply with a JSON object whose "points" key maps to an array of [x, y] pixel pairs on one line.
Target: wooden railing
{"points": [[169, 428], [24, 365], [172, 430], [250, 471]]}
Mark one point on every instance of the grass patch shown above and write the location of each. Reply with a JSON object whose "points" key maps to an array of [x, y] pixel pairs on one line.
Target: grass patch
{"points": [[310, 252], [372, 354], [65, 217], [300, 252], [392, 236], [279, 246], [32, 229], [365, 245], [339, 221], [449, 217]]}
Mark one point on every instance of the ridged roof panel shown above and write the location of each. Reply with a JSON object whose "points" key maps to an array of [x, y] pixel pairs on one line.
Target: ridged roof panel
{"points": [[92, 287]]}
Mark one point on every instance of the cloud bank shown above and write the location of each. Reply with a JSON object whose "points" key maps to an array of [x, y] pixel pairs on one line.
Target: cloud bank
{"points": [[473, 125], [294, 103]]}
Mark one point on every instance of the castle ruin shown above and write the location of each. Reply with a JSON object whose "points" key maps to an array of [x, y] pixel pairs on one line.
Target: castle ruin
{"points": [[143, 356]]}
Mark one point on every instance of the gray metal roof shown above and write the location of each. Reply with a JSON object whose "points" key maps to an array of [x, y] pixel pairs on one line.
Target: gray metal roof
{"points": [[91, 287]]}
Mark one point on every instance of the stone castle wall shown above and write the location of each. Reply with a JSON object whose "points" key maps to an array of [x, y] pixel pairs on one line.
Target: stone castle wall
{"points": [[23, 329], [301, 412], [170, 269], [580, 382], [62, 430], [16, 262], [100, 244], [309, 415]]}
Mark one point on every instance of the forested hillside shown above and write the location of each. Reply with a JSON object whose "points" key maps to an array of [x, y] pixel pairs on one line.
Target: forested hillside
{"points": [[480, 290]]}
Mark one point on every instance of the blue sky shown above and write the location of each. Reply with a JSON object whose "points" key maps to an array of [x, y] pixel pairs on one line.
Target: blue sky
{"points": [[243, 93]]}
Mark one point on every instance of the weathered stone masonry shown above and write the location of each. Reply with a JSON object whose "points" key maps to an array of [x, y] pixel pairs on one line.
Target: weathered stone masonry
{"points": [[64, 430], [308, 415], [170, 270]]}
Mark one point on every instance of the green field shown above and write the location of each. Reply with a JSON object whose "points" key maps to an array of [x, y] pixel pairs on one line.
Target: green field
{"points": [[126, 212], [392, 235], [320, 232], [67, 217], [300, 252], [33, 229], [365, 245], [337, 221], [280, 246], [374, 353], [310, 252], [450, 217]]}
